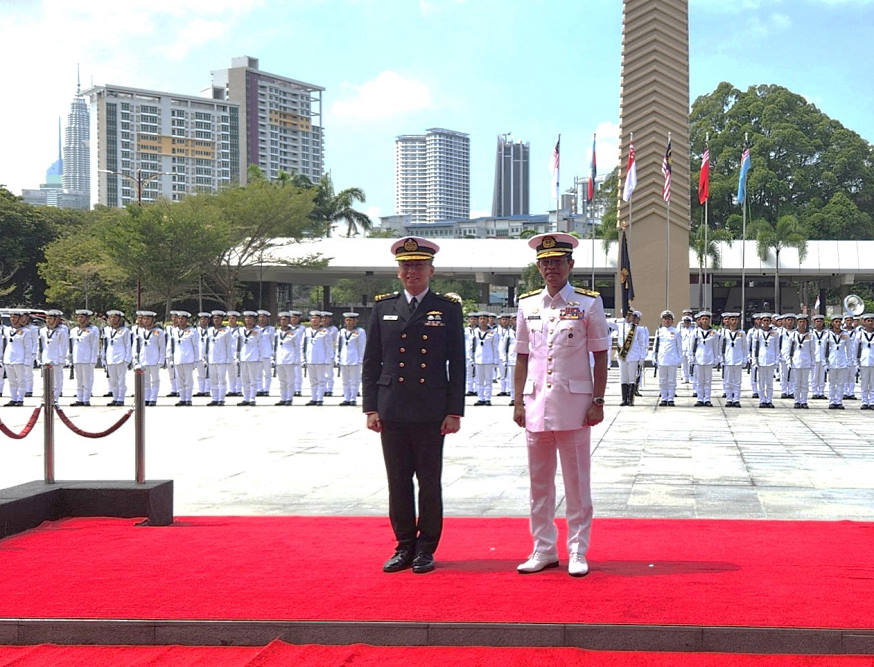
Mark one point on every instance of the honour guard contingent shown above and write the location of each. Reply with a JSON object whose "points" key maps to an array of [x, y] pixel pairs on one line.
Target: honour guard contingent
{"points": [[17, 356], [200, 368], [413, 395], [704, 355], [865, 359], [351, 342], [185, 349], [734, 357], [801, 360], [218, 354], [149, 353], [787, 335], [766, 352], [117, 355], [85, 349], [470, 367], [234, 380], [667, 353], [288, 344], [326, 316], [817, 376], [631, 352], [54, 339], [266, 337], [249, 348], [486, 358], [559, 331], [753, 367], [837, 363], [318, 355]]}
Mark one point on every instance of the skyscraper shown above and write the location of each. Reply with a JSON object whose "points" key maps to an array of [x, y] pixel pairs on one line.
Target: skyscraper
{"points": [[432, 175], [280, 119], [77, 166], [157, 144], [511, 178]]}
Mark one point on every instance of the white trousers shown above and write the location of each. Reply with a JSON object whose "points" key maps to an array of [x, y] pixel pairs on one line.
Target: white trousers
{"points": [[266, 376], [484, 375], [766, 384], [573, 449], [787, 379], [28, 378], [471, 378], [866, 380], [731, 377], [801, 384], [234, 378], [511, 371], [218, 381], [703, 381], [628, 371], [250, 371], [351, 376], [15, 373], [837, 381], [202, 379], [285, 375], [667, 382], [151, 383], [817, 379], [317, 374], [850, 381], [84, 381], [57, 379], [185, 381], [117, 379]]}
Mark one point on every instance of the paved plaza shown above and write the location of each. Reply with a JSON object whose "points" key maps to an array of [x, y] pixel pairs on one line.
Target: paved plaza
{"points": [[681, 462]]}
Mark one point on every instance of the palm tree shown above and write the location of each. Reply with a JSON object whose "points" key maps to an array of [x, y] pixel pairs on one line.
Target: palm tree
{"points": [[788, 233], [708, 249], [331, 208]]}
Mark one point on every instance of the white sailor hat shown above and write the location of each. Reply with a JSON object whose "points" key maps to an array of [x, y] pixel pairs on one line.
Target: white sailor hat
{"points": [[261, 311], [295, 312], [147, 313], [115, 312], [250, 313], [84, 311], [637, 313], [183, 313], [506, 315], [789, 315], [764, 315], [687, 318], [473, 313], [802, 316], [218, 313], [703, 313], [757, 316], [54, 312], [491, 314], [687, 310], [326, 313], [553, 244], [203, 313], [351, 314], [233, 313], [817, 316], [283, 313], [174, 312], [730, 314], [866, 316], [315, 313], [413, 247], [667, 313]]}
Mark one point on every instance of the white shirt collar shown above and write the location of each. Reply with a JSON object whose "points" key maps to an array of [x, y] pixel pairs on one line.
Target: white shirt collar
{"points": [[563, 294], [419, 296]]}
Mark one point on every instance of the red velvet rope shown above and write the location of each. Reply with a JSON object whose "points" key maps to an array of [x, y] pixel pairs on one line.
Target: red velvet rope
{"points": [[85, 434], [27, 429]]}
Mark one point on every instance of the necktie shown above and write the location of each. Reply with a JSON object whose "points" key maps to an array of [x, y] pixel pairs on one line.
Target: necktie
{"points": [[413, 303]]}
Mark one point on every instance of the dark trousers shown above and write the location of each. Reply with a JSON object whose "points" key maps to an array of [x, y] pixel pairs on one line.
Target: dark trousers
{"points": [[414, 449]]}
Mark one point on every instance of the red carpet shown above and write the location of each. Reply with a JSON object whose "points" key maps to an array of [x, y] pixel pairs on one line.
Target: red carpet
{"points": [[744, 573], [279, 653]]}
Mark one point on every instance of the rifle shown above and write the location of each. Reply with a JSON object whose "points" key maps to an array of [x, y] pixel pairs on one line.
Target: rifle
{"points": [[655, 369]]}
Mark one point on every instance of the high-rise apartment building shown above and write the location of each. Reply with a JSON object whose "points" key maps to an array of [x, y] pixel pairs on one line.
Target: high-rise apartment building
{"points": [[280, 119], [153, 144], [511, 178], [77, 171], [432, 175]]}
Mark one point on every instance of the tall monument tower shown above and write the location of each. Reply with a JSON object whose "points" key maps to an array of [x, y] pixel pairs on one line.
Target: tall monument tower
{"points": [[654, 101]]}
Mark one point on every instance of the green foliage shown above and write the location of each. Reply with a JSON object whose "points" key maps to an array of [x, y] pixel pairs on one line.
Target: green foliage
{"points": [[787, 233], [330, 208], [531, 279]]}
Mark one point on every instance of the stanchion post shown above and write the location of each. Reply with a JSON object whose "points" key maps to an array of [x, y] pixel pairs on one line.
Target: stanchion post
{"points": [[48, 399], [140, 426]]}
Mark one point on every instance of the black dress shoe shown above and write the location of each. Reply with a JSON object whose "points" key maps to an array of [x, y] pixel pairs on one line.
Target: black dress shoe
{"points": [[699, 404], [297, 393], [402, 559], [708, 404], [29, 394], [173, 394], [423, 562]]}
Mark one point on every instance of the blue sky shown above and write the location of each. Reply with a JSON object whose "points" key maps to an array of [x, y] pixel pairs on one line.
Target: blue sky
{"points": [[533, 68]]}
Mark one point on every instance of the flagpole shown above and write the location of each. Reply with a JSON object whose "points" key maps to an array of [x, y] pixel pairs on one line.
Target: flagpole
{"points": [[706, 247], [743, 253], [668, 246], [591, 205]]}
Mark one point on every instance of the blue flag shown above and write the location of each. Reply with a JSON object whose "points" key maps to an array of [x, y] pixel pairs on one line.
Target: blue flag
{"points": [[742, 179]]}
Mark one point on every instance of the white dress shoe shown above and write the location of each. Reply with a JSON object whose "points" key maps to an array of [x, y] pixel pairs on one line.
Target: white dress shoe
{"points": [[577, 566], [537, 562]]}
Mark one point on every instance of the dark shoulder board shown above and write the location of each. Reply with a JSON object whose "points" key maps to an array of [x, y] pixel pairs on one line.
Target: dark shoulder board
{"points": [[383, 297], [454, 298], [531, 293], [587, 292]]}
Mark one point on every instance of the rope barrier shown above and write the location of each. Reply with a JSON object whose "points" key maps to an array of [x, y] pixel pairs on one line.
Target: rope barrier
{"points": [[85, 434], [27, 429]]}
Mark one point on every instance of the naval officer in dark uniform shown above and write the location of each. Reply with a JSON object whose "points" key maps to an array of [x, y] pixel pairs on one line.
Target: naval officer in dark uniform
{"points": [[413, 387]]}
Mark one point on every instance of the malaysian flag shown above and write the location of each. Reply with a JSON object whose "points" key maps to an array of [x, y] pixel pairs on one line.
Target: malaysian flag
{"points": [[555, 164], [630, 174], [666, 170], [590, 193], [704, 178]]}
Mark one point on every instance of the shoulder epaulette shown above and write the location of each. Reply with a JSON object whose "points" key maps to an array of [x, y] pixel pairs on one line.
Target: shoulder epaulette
{"points": [[454, 298], [382, 297], [587, 292], [531, 293]]}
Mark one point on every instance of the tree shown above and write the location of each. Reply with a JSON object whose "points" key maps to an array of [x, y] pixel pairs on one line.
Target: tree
{"points": [[331, 208], [840, 218], [787, 233], [708, 249]]}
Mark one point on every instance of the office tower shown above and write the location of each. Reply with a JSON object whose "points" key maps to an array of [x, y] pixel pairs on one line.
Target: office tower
{"points": [[77, 176], [153, 144], [511, 178], [432, 175], [280, 119]]}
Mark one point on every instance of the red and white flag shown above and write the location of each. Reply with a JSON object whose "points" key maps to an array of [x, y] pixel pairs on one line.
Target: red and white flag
{"points": [[630, 175], [555, 166], [704, 178], [816, 306], [666, 170]]}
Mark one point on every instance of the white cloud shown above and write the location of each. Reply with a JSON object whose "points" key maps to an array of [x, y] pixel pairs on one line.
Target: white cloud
{"points": [[781, 21], [389, 94], [607, 147]]}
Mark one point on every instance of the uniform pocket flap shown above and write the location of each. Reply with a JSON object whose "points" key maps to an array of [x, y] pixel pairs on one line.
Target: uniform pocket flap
{"points": [[384, 380], [580, 386]]}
